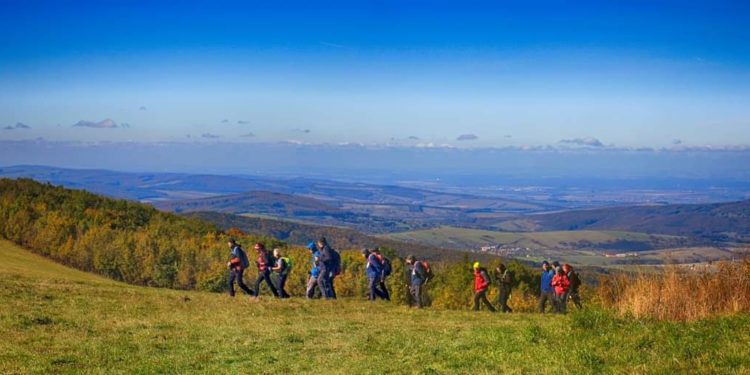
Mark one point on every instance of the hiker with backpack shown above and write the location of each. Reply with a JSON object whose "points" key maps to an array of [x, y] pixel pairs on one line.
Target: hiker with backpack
{"points": [[312, 282], [481, 286], [237, 264], [420, 274], [374, 271], [575, 284], [264, 262], [505, 281], [547, 292], [282, 267], [329, 266], [561, 284], [387, 269]]}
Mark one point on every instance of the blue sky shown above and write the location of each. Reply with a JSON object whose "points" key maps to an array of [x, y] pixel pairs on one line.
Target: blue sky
{"points": [[598, 74]]}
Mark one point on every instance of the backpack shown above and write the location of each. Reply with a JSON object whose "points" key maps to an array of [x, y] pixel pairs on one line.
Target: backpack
{"points": [[387, 269], [506, 278], [575, 281], [287, 265], [427, 270], [336, 261], [243, 258]]}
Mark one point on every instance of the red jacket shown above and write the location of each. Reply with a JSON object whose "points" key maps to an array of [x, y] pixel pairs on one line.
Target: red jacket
{"points": [[561, 284], [481, 280]]}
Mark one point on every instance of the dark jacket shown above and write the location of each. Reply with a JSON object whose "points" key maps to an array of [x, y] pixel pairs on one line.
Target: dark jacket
{"points": [[374, 267], [418, 273]]}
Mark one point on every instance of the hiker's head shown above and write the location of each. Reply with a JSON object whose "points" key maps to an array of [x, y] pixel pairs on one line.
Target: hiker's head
{"points": [[560, 271], [260, 247], [476, 266], [312, 247], [556, 264], [567, 267], [322, 242], [277, 252], [376, 250], [366, 252], [501, 267], [545, 265], [410, 259], [232, 243]]}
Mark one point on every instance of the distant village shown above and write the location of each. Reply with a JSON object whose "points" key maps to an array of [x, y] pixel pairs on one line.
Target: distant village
{"points": [[507, 250]]}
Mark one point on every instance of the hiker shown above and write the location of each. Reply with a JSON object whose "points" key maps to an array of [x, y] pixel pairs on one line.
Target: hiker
{"points": [[312, 283], [575, 284], [562, 285], [237, 263], [329, 265], [264, 262], [387, 269], [420, 274], [282, 267], [547, 292], [505, 281], [481, 285], [374, 271]]}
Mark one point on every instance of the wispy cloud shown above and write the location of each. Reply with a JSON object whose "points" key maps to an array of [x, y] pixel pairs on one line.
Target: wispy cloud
{"points": [[104, 124], [677, 142], [305, 131], [210, 136], [413, 138], [243, 122], [18, 125], [467, 137], [142, 108], [224, 121], [587, 142], [248, 135]]}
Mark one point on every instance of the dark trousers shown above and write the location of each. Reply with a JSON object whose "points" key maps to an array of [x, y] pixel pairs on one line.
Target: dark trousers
{"points": [[265, 275], [416, 294], [503, 299], [544, 298], [384, 289], [281, 284], [575, 297], [561, 302], [481, 297], [324, 283], [312, 286], [332, 286], [236, 275], [374, 284]]}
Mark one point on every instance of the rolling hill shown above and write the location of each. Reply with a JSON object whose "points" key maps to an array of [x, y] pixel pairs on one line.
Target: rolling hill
{"points": [[57, 320], [719, 222]]}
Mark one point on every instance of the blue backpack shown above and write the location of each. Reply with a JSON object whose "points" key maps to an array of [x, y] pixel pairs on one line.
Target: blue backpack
{"points": [[387, 266]]}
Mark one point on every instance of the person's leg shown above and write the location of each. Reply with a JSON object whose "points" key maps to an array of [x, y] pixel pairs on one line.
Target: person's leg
{"points": [[486, 301], [282, 284], [576, 299], [542, 303], [416, 292], [564, 303], [323, 285], [312, 282], [476, 301], [241, 283], [267, 277], [256, 286], [371, 288], [231, 283], [503, 300], [384, 290]]}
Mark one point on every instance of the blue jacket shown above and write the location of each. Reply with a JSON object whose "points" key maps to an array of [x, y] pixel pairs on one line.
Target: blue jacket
{"points": [[374, 267], [315, 271], [547, 281]]}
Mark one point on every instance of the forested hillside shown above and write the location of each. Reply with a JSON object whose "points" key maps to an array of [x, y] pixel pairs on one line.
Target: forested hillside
{"points": [[120, 239]]}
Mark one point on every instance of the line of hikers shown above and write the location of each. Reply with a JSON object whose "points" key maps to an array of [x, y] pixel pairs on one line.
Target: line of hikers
{"points": [[558, 283]]}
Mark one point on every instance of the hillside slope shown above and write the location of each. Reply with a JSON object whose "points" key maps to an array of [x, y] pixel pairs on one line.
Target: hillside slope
{"points": [[57, 320]]}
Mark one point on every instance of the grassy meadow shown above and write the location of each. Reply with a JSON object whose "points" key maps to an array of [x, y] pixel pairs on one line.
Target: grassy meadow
{"points": [[54, 319]]}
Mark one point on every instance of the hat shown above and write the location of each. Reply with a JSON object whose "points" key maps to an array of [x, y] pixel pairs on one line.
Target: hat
{"points": [[312, 246], [476, 265]]}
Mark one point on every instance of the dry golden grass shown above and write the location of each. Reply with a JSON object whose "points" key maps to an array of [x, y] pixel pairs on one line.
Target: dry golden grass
{"points": [[680, 293]]}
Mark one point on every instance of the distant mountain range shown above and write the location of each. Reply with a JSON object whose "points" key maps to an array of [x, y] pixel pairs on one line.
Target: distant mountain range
{"points": [[718, 222]]}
